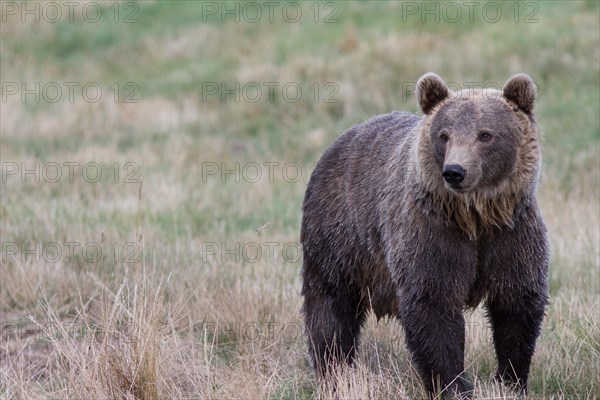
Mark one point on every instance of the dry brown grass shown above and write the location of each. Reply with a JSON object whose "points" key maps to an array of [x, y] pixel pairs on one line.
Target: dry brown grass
{"points": [[177, 322]]}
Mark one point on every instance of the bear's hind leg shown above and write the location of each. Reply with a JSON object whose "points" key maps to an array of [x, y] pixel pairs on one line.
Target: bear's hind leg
{"points": [[333, 325]]}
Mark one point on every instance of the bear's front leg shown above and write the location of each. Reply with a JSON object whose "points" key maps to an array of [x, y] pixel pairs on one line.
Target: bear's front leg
{"points": [[435, 335], [516, 327], [516, 270]]}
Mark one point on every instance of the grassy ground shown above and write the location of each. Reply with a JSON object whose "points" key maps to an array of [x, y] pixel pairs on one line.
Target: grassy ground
{"points": [[174, 274]]}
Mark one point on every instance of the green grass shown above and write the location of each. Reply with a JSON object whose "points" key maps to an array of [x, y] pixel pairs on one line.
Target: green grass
{"points": [[372, 54]]}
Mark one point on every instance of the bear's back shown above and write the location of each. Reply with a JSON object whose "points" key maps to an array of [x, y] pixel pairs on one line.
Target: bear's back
{"points": [[341, 205], [348, 174]]}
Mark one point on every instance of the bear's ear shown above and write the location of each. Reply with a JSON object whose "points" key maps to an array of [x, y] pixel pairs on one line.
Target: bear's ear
{"points": [[431, 90], [521, 90]]}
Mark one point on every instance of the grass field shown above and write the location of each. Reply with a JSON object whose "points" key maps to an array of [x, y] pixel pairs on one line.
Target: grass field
{"points": [[153, 168]]}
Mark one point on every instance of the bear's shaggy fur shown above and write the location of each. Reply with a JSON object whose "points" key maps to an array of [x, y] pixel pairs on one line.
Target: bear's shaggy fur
{"points": [[387, 227]]}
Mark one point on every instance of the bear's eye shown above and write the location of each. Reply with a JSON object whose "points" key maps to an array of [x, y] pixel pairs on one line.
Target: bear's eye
{"points": [[484, 136], [444, 137]]}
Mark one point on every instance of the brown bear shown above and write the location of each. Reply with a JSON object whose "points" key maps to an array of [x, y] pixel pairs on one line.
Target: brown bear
{"points": [[423, 217]]}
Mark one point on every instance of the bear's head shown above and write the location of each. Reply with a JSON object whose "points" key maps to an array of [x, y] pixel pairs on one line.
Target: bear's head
{"points": [[479, 148]]}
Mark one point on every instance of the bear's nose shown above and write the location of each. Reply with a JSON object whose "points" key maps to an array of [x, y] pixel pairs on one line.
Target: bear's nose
{"points": [[453, 173]]}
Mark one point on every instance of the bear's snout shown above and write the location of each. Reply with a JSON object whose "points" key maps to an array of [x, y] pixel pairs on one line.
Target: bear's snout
{"points": [[453, 173]]}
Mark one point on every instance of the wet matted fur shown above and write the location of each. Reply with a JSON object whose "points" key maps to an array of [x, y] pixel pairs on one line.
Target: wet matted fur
{"points": [[382, 230]]}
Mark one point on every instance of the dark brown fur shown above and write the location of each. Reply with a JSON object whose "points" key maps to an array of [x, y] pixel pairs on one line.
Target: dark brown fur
{"points": [[383, 231]]}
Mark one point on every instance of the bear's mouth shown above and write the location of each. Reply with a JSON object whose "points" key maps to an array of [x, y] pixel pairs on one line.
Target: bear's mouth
{"points": [[457, 187]]}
